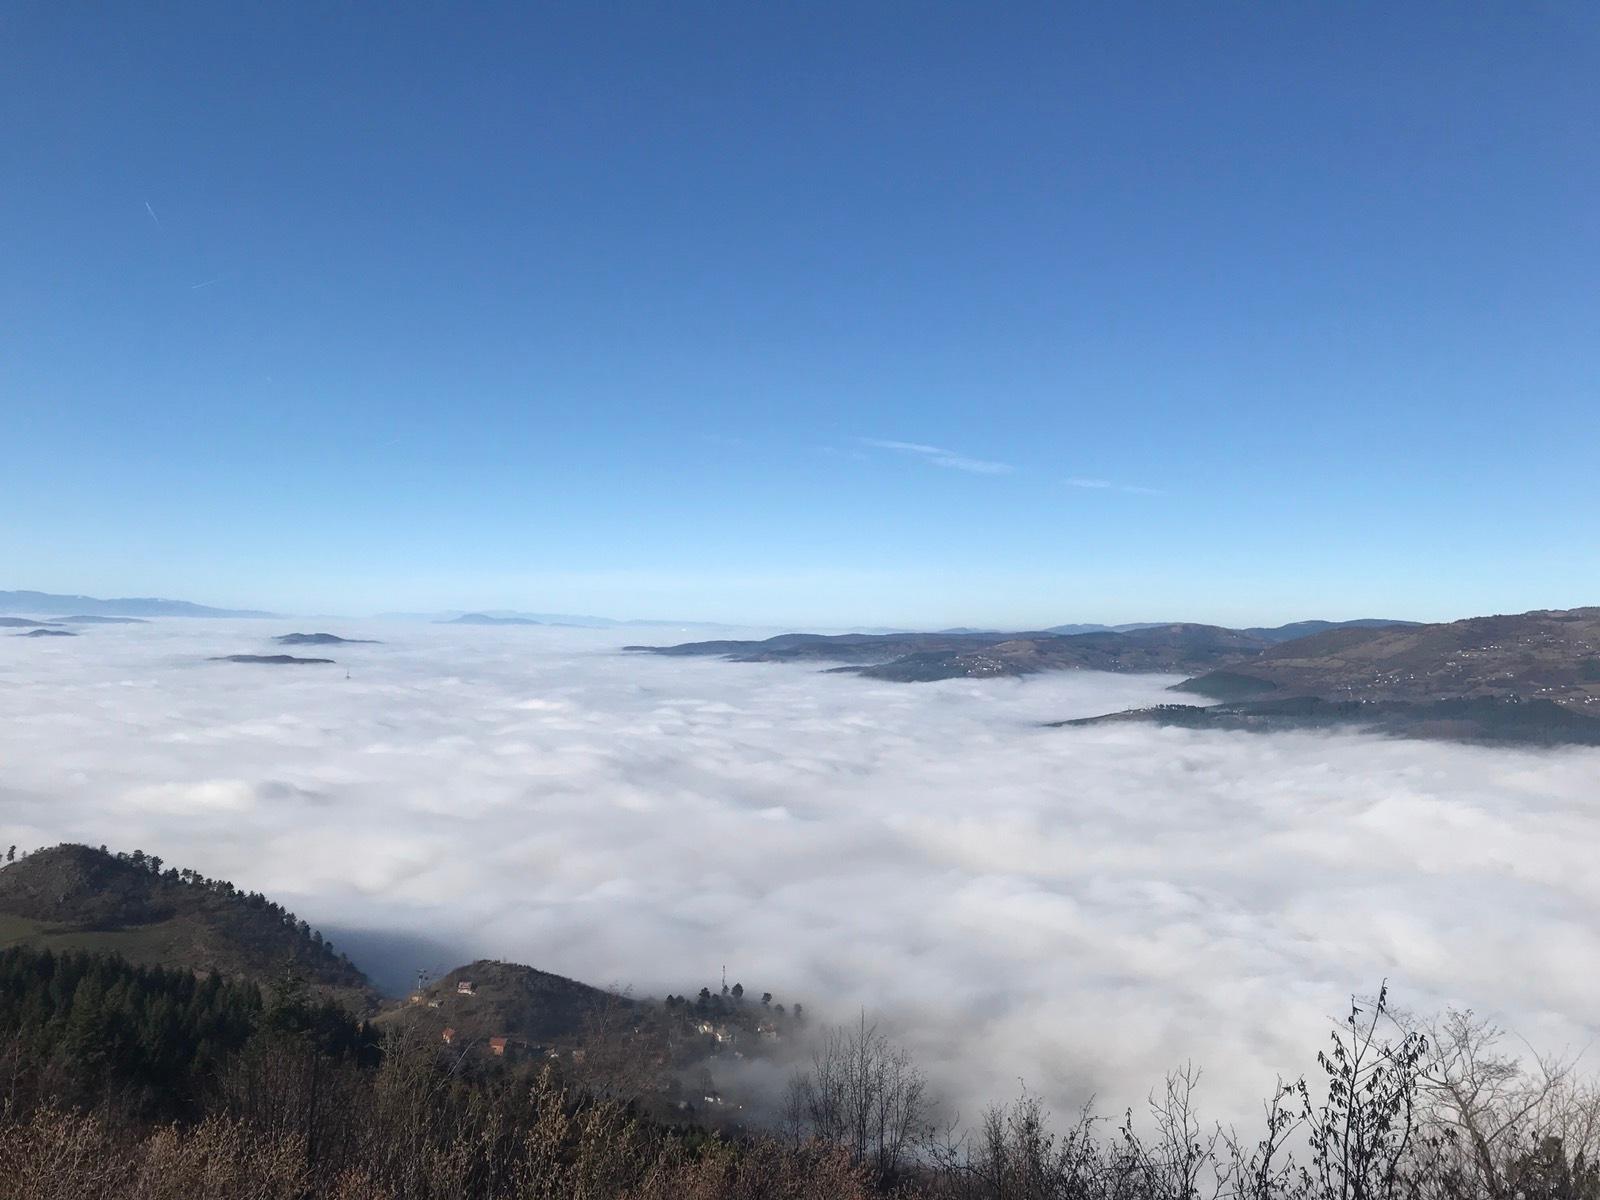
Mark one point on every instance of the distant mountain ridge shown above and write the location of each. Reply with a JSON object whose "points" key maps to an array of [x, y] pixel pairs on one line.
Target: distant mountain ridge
{"points": [[1177, 648], [486, 619], [52, 604], [1300, 629], [1529, 677], [1545, 654]]}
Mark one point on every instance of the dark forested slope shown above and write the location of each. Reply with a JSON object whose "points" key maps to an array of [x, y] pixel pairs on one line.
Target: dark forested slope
{"points": [[73, 897]]}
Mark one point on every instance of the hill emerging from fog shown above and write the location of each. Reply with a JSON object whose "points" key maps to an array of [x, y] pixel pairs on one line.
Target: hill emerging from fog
{"points": [[271, 660], [322, 639], [1548, 655], [1530, 677], [489, 998], [73, 897], [1177, 648]]}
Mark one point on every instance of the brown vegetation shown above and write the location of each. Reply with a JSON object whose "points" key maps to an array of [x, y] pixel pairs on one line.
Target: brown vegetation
{"points": [[1397, 1112]]}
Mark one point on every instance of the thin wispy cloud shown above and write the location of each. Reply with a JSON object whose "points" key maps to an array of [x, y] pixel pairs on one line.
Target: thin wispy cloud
{"points": [[1106, 485], [938, 456], [195, 287]]}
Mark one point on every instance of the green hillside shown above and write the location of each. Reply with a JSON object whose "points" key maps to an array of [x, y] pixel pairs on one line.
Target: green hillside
{"points": [[73, 897]]}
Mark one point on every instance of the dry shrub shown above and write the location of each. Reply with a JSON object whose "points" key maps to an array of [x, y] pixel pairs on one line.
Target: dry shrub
{"points": [[56, 1155], [220, 1159], [764, 1172]]}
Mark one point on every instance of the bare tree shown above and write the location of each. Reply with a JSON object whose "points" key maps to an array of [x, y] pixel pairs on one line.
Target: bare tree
{"points": [[1180, 1157], [1266, 1170], [1362, 1133], [863, 1094], [1496, 1108]]}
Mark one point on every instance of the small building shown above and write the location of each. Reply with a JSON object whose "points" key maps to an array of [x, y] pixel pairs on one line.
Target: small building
{"points": [[497, 1047], [464, 988], [449, 1035]]}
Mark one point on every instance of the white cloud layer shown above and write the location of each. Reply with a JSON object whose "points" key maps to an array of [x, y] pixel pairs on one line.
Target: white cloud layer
{"points": [[1078, 908]]}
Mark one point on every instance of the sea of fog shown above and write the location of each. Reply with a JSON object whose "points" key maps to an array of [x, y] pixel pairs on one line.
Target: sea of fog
{"points": [[1078, 910]]}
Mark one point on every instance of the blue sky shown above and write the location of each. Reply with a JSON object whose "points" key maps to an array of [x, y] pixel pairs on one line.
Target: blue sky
{"points": [[906, 314]]}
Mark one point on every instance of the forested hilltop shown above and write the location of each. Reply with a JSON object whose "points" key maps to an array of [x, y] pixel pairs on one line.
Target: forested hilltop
{"points": [[126, 1080], [132, 904]]}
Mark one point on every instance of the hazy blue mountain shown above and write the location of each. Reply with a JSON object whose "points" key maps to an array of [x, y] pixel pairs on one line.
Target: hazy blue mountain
{"points": [[141, 606], [502, 616], [1300, 629], [486, 619]]}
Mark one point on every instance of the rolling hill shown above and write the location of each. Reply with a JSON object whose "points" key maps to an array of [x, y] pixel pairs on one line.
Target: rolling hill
{"points": [[1176, 648], [529, 1006], [73, 897], [1548, 655], [1530, 677]]}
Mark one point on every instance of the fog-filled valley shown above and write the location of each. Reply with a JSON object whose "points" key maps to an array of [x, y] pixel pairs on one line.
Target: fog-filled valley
{"points": [[1080, 909]]}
